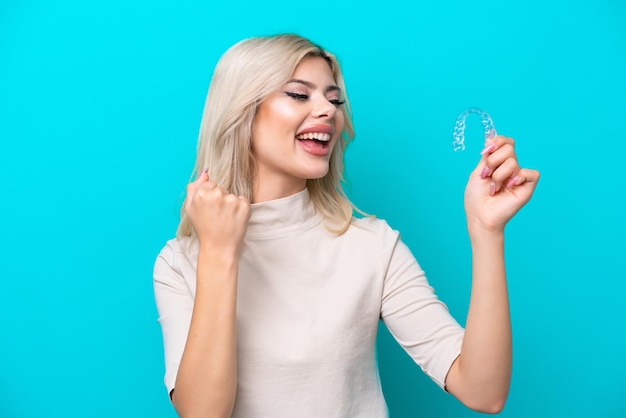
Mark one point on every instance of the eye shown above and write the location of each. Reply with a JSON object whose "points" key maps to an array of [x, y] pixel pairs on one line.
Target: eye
{"points": [[297, 96], [336, 102]]}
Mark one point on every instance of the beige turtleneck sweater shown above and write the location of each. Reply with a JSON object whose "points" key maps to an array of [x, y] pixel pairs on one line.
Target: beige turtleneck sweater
{"points": [[308, 308]]}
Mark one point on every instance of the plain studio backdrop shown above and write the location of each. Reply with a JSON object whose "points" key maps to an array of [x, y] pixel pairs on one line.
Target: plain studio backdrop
{"points": [[100, 104]]}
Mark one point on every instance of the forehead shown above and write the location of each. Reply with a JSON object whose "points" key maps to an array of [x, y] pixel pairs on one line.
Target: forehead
{"points": [[314, 69]]}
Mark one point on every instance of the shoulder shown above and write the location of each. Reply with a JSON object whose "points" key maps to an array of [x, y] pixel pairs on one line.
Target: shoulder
{"points": [[177, 254], [374, 231], [371, 225]]}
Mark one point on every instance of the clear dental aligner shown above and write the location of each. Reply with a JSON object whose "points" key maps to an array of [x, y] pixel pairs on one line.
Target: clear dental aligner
{"points": [[459, 127]]}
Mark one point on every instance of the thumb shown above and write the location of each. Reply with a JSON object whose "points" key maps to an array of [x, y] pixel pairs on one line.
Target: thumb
{"points": [[202, 178]]}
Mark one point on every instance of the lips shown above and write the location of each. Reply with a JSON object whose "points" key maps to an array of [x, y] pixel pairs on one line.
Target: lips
{"points": [[320, 133], [321, 128], [315, 139]]}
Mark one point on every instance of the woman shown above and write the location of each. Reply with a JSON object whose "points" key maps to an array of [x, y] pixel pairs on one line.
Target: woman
{"points": [[270, 296]]}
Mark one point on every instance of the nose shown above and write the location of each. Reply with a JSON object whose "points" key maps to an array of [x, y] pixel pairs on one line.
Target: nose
{"points": [[323, 109]]}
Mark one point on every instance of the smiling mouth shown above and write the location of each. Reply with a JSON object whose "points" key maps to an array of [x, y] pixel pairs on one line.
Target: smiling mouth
{"points": [[321, 139]]}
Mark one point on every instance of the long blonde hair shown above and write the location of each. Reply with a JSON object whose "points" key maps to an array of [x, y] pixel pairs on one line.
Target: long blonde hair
{"points": [[245, 75]]}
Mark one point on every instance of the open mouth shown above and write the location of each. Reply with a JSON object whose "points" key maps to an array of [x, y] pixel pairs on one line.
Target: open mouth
{"points": [[318, 139]]}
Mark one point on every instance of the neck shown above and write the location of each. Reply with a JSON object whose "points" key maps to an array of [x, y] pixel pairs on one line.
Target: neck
{"points": [[264, 191]]}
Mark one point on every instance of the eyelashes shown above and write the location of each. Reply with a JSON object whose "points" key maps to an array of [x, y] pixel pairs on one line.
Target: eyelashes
{"points": [[297, 96], [304, 97]]}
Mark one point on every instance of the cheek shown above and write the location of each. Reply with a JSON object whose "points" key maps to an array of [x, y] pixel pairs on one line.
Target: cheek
{"points": [[339, 123], [339, 120], [282, 116], [286, 119], [269, 121]]}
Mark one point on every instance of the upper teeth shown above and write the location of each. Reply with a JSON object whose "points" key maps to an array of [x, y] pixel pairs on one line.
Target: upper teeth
{"points": [[320, 136]]}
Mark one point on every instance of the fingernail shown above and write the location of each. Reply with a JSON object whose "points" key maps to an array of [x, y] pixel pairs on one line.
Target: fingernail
{"points": [[206, 170], [489, 148], [484, 173], [492, 189], [512, 182]]}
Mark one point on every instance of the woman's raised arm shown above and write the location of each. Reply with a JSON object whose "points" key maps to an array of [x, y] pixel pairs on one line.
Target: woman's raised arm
{"points": [[497, 189], [207, 377]]}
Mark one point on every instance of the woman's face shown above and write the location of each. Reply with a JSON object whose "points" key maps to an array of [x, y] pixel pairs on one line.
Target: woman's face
{"points": [[295, 131]]}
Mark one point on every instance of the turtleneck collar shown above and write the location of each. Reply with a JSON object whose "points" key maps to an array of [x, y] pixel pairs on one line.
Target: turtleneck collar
{"points": [[282, 216]]}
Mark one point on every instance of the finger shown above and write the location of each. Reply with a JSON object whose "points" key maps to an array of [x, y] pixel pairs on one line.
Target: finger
{"points": [[497, 158], [210, 185], [505, 172], [201, 179], [496, 143], [496, 150], [193, 186], [524, 175], [204, 176]]}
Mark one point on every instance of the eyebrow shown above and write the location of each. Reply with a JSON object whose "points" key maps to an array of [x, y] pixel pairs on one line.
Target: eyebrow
{"points": [[313, 86]]}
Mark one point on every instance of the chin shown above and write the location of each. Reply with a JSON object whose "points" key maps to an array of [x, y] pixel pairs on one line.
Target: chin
{"points": [[315, 173]]}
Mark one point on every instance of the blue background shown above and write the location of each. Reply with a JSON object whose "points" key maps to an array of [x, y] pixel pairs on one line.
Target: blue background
{"points": [[100, 104]]}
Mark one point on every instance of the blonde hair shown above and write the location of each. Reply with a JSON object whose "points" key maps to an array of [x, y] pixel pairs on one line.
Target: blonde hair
{"points": [[245, 75]]}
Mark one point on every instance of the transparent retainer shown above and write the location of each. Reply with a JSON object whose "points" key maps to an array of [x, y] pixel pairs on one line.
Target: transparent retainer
{"points": [[459, 127]]}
